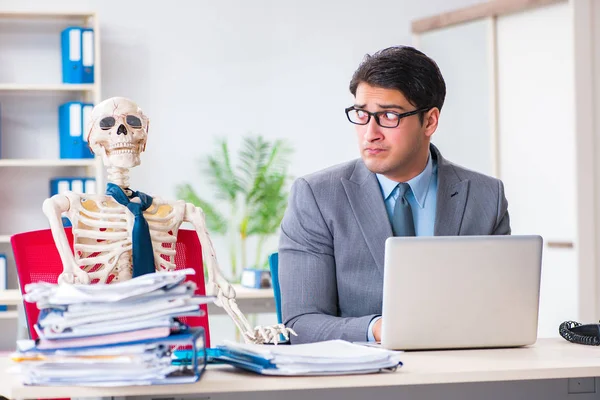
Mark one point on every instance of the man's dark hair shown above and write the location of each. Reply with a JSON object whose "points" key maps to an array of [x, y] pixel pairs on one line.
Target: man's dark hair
{"points": [[405, 69]]}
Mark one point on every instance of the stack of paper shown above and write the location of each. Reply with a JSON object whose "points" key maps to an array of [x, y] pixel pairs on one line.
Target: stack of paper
{"points": [[334, 357], [117, 334]]}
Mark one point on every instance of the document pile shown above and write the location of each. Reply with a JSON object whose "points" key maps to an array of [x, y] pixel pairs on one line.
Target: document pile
{"points": [[114, 335], [334, 357]]}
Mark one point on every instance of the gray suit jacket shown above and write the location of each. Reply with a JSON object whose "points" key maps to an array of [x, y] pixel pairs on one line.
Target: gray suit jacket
{"points": [[332, 242]]}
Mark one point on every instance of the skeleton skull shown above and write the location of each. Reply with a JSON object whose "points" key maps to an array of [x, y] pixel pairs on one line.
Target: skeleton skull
{"points": [[118, 130]]}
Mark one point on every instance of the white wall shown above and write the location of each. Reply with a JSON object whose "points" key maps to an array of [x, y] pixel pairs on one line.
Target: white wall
{"points": [[207, 69], [541, 139], [466, 130], [595, 56], [229, 68], [542, 195]]}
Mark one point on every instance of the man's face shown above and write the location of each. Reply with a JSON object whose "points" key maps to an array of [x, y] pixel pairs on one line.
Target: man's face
{"points": [[398, 153]]}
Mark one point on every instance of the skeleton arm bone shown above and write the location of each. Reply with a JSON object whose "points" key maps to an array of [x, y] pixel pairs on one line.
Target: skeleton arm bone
{"points": [[53, 208], [223, 289], [217, 283]]}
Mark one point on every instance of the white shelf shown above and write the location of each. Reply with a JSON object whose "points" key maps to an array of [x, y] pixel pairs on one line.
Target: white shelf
{"points": [[16, 162], [28, 85], [44, 15], [52, 87], [11, 314], [10, 297]]}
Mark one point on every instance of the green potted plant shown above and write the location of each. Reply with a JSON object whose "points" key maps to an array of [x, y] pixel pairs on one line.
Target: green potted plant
{"points": [[254, 193]]}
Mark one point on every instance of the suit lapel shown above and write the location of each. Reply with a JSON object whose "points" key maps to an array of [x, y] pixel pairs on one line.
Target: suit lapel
{"points": [[451, 198], [369, 210], [371, 214]]}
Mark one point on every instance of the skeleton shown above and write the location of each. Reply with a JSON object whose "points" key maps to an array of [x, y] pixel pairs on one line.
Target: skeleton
{"points": [[102, 227]]}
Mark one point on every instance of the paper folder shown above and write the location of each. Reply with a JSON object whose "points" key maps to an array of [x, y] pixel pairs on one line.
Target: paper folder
{"points": [[333, 357], [81, 185], [87, 55], [78, 54], [182, 371], [70, 130], [86, 115], [72, 121], [71, 55]]}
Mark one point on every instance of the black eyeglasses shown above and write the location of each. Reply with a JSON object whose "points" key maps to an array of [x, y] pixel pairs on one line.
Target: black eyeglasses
{"points": [[385, 119]]}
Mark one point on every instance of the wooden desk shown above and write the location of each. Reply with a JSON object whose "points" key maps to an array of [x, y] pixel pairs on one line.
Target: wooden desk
{"points": [[251, 301], [539, 370]]}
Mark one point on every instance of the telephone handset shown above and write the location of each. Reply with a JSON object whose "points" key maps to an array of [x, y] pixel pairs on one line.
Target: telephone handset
{"points": [[575, 332]]}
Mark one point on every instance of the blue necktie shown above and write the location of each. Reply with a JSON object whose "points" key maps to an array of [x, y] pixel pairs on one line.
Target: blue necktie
{"points": [[143, 255], [402, 219]]}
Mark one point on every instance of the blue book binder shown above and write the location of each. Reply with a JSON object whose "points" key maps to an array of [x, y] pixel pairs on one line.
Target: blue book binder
{"points": [[3, 269], [82, 185], [87, 55], [59, 186], [71, 48], [73, 118], [70, 127], [89, 186], [77, 184], [86, 115]]}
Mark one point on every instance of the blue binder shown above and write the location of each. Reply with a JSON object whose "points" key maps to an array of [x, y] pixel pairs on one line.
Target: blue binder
{"points": [[82, 185], [89, 186], [71, 48], [72, 123], [87, 55], [86, 115], [77, 184], [3, 277], [59, 186], [70, 127]]}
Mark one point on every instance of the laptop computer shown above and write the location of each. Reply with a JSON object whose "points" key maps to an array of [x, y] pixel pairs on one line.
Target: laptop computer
{"points": [[449, 292]]}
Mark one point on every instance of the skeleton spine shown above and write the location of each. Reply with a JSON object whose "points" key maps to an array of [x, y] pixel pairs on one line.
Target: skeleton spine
{"points": [[119, 176]]}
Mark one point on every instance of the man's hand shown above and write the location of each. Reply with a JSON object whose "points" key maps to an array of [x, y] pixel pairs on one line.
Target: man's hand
{"points": [[377, 330]]}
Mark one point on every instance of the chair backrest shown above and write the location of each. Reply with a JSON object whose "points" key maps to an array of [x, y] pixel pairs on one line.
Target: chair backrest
{"points": [[37, 259], [274, 267]]}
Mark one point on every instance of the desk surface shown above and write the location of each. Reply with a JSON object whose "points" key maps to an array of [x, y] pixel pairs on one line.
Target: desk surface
{"points": [[13, 297], [547, 359]]}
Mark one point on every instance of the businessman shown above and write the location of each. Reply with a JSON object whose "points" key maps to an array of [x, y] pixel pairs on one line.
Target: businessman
{"points": [[331, 250]]}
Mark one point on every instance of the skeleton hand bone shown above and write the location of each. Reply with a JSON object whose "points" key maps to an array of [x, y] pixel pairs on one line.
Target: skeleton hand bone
{"points": [[258, 335]]}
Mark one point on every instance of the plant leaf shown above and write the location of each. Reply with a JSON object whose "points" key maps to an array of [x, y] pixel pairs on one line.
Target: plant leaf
{"points": [[215, 222], [266, 212], [220, 173], [253, 156]]}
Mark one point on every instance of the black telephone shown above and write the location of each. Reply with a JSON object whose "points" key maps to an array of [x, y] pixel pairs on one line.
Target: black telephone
{"points": [[575, 332]]}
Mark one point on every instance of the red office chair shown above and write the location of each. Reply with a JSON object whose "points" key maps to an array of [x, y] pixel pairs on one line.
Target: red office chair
{"points": [[37, 259]]}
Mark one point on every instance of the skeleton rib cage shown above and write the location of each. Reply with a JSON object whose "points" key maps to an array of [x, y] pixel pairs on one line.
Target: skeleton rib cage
{"points": [[101, 235]]}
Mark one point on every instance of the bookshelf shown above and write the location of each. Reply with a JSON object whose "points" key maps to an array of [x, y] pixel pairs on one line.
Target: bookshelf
{"points": [[47, 163], [55, 87], [31, 90]]}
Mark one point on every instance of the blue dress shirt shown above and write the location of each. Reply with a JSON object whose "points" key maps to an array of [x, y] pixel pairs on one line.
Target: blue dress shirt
{"points": [[423, 200]]}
